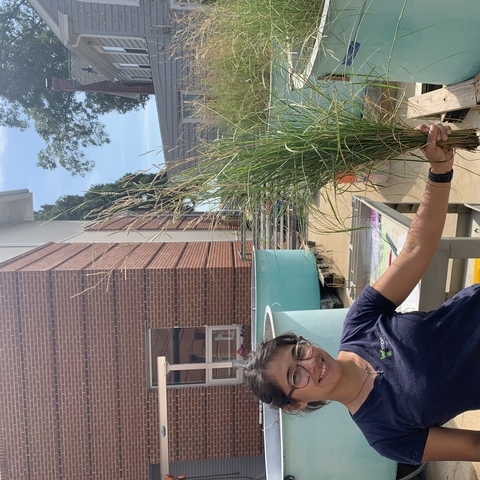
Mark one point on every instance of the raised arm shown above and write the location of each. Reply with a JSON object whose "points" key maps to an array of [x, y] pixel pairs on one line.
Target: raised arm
{"points": [[452, 444], [427, 226]]}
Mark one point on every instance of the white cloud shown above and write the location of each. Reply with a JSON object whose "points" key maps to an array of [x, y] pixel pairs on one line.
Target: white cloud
{"points": [[145, 122], [93, 179], [3, 146], [151, 136]]}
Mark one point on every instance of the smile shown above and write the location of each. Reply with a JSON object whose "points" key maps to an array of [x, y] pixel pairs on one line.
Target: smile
{"points": [[324, 369]]}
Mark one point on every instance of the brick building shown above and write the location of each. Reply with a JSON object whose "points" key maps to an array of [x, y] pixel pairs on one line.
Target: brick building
{"points": [[81, 324]]}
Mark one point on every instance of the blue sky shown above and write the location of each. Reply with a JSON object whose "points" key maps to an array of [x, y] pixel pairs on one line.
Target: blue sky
{"points": [[131, 135]]}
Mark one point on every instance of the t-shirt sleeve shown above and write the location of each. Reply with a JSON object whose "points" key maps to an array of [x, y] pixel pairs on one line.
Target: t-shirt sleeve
{"points": [[408, 448], [364, 314], [370, 303]]}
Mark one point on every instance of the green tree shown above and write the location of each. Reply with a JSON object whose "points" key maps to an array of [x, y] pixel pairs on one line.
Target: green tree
{"points": [[68, 122], [67, 207], [146, 190]]}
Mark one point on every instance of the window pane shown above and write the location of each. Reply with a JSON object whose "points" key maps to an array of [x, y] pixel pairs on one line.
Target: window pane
{"points": [[191, 103], [178, 345], [224, 349], [132, 51], [136, 51], [134, 65], [185, 377], [224, 345], [108, 48], [219, 373]]}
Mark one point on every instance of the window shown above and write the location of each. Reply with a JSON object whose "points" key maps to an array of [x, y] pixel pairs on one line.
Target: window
{"points": [[190, 4], [191, 104], [132, 65], [120, 50], [186, 4], [132, 3], [138, 77], [185, 347]]}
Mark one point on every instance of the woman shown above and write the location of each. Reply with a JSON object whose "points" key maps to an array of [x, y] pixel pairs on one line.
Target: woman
{"points": [[401, 376]]}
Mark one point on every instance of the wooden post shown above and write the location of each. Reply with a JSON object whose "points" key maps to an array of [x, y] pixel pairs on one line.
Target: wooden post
{"points": [[447, 99], [162, 369]]}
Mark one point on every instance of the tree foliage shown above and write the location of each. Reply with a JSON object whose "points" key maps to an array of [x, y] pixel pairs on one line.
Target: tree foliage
{"points": [[68, 122], [147, 188], [67, 207], [96, 198]]}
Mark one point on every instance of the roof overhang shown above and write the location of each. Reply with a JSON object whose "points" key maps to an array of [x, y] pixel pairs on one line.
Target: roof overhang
{"points": [[64, 33], [38, 7]]}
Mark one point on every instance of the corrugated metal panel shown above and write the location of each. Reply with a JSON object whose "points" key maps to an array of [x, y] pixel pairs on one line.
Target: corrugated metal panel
{"points": [[165, 95], [250, 467], [115, 18], [108, 18], [94, 19]]}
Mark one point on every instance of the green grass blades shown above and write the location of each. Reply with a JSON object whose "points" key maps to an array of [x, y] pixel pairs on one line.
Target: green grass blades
{"points": [[294, 160], [308, 146], [230, 45]]}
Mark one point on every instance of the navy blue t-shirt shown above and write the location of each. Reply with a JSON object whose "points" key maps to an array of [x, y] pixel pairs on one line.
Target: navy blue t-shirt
{"points": [[428, 364]]}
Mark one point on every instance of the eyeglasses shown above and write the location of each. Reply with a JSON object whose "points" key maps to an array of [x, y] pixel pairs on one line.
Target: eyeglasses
{"points": [[300, 376]]}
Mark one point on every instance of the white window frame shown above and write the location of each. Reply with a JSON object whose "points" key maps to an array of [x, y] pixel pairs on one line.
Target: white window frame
{"points": [[131, 3], [183, 94], [209, 332], [182, 5], [116, 50], [208, 366], [133, 66]]}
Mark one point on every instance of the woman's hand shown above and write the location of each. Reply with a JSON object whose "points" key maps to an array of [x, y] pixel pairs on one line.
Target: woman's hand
{"points": [[440, 158]]}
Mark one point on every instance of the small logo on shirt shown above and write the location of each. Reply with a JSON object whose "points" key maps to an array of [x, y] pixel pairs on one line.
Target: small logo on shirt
{"points": [[385, 352]]}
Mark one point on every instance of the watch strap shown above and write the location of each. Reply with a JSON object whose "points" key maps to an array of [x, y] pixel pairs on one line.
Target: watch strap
{"points": [[440, 177]]}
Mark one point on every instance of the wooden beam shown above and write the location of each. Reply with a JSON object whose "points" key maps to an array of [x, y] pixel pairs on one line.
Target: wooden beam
{"points": [[447, 99], [162, 368]]}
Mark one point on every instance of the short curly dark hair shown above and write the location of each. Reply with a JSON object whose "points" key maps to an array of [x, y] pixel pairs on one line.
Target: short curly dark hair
{"points": [[265, 388]]}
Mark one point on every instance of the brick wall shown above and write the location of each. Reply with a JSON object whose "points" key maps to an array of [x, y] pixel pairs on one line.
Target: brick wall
{"points": [[72, 372], [12, 400], [74, 402], [190, 286], [209, 423], [190, 221], [220, 284]]}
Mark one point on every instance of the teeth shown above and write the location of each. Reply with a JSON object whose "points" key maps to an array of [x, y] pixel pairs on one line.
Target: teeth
{"points": [[324, 367]]}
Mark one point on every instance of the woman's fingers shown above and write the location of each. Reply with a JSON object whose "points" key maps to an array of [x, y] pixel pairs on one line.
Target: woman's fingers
{"points": [[436, 133], [443, 132], [424, 128], [432, 151]]}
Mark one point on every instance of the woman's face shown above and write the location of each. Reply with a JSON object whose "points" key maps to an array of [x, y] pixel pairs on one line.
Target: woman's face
{"points": [[324, 372]]}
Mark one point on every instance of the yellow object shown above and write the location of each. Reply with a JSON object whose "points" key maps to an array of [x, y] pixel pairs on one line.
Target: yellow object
{"points": [[476, 271]]}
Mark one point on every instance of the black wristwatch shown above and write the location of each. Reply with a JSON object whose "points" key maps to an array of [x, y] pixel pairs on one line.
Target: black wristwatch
{"points": [[440, 177]]}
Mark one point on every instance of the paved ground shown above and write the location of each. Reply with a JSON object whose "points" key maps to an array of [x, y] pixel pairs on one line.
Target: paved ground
{"points": [[406, 183]]}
